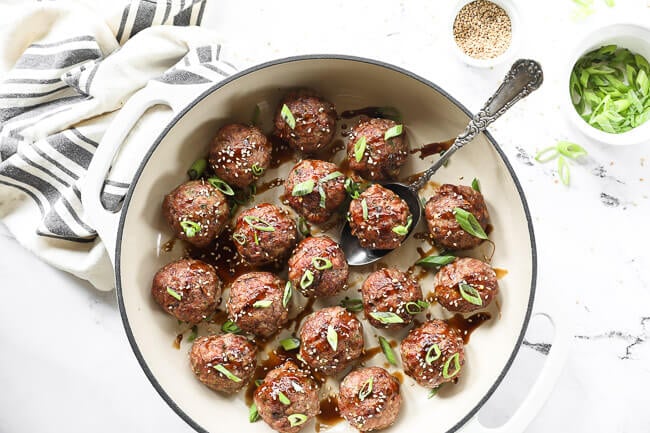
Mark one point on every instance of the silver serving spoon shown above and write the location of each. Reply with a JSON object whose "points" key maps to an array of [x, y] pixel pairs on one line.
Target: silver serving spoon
{"points": [[524, 77]]}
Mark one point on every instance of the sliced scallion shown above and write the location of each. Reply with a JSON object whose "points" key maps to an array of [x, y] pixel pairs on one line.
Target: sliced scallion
{"points": [[388, 351], [230, 327], [332, 337], [197, 168], [174, 294], [283, 398], [297, 419], [287, 116], [221, 186], [307, 279], [223, 370], [190, 228], [455, 358], [321, 263], [470, 294], [386, 317], [359, 148], [303, 188], [393, 132], [353, 305], [286, 296], [436, 260], [404, 230], [469, 223], [264, 303], [433, 354], [416, 307], [290, 343], [366, 389], [258, 223]]}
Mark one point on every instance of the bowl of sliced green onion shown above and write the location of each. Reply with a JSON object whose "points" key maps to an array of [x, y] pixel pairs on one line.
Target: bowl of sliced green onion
{"points": [[609, 84]]}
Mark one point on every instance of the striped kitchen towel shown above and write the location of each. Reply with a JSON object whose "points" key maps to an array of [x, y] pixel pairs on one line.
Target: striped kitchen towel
{"points": [[64, 70]]}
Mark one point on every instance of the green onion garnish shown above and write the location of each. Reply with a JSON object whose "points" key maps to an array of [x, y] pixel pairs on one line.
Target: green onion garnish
{"points": [[197, 168], [433, 354], [221, 186], [258, 382], [366, 389], [435, 260], [174, 294], [286, 296], [386, 317], [470, 294], [287, 116], [332, 337], [469, 223], [193, 334], [434, 391], [321, 263], [323, 197], [283, 398], [257, 169], [290, 343], [331, 176], [364, 209], [230, 327], [416, 307], [352, 188], [190, 228], [393, 132], [455, 358], [258, 223], [265, 303], [476, 185], [307, 279], [239, 238], [253, 415], [223, 370], [297, 419], [388, 351], [570, 150], [353, 305], [303, 188], [303, 227], [359, 148], [546, 154], [563, 170], [404, 230], [256, 239]]}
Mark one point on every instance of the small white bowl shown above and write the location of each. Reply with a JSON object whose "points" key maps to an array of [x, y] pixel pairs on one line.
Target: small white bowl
{"points": [[631, 35], [511, 9]]}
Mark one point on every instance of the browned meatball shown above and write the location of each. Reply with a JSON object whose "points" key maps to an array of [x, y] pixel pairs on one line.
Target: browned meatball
{"points": [[287, 399], [465, 285], [391, 298], [264, 234], [187, 289], [444, 228], [256, 303], [225, 362], [378, 218], [331, 339], [196, 212], [369, 398], [318, 267], [239, 154], [371, 155], [315, 189], [315, 121], [433, 354]]}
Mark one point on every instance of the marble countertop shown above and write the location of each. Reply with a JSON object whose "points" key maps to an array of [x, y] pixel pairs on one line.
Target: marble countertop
{"points": [[66, 364]]}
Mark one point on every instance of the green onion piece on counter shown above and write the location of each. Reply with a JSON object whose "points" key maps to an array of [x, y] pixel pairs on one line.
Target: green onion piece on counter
{"points": [[433, 354], [174, 294], [297, 419], [388, 351], [546, 154], [364, 209], [197, 168], [393, 132], [257, 169], [469, 223], [283, 398], [290, 343], [307, 279], [258, 223], [332, 337], [366, 389], [303, 188], [563, 170], [221, 186], [331, 176], [476, 185], [223, 370], [230, 327], [253, 415], [470, 294], [445, 369], [386, 317], [265, 303], [286, 296], [190, 228], [570, 150], [321, 263], [353, 305], [416, 307], [435, 260], [287, 116], [403, 230], [359, 148]]}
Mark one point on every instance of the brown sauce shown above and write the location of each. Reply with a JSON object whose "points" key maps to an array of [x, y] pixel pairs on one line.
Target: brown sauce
{"points": [[425, 236], [177, 341], [330, 151], [369, 354], [465, 326], [365, 111], [329, 412], [273, 183], [433, 148], [399, 376], [281, 153], [168, 246], [489, 229], [500, 273]]}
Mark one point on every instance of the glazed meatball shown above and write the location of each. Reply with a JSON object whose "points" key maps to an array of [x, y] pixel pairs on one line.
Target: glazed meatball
{"points": [[255, 303], [315, 121], [264, 234], [318, 267], [239, 154], [331, 339], [315, 189], [378, 158], [225, 362], [439, 212], [391, 298], [287, 399], [433, 354], [187, 289], [378, 218], [196, 212], [369, 399], [465, 285]]}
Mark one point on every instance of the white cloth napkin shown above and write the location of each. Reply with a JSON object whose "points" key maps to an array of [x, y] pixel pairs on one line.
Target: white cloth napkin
{"points": [[64, 70]]}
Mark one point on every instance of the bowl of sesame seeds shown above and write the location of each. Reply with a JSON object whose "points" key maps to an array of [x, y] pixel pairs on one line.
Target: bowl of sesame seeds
{"points": [[484, 33]]}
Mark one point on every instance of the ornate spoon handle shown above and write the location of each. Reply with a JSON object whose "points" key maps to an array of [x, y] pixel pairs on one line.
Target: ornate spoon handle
{"points": [[524, 77]]}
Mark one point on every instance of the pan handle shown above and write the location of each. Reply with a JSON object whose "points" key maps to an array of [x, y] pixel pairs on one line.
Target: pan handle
{"points": [[547, 379], [105, 221]]}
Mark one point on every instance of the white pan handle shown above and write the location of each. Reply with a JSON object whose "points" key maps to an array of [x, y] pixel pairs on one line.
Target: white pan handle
{"points": [[106, 222], [545, 383]]}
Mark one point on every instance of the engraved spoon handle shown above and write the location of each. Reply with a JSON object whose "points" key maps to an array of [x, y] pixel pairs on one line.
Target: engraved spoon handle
{"points": [[524, 77]]}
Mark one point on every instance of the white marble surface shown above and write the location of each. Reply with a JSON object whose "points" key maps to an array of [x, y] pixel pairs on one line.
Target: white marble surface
{"points": [[65, 364]]}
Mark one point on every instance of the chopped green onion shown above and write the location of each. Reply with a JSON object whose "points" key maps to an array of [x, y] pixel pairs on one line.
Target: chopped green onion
{"points": [[331, 176], [258, 223], [321, 263], [265, 303], [445, 369], [359, 148], [193, 334], [174, 294], [364, 209], [547, 154], [286, 296], [287, 116], [258, 382], [223, 370], [256, 239], [393, 132], [257, 169], [332, 337], [416, 307], [470, 294], [433, 354], [388, 351], [283, 398], [563, 170], [352, 188], [570, 150], [323, 197], [221, 186], [230, 327], [435, 260], [239, 238], [303, 227], [386, 317], [190, 228], [253, 415], [307, 279], [197, 168], [290, 343], [469, 223], [255, 118], [404, 230], [303, 188], [353, 305], [434, 391], [297, 419], [476, 185], [366, 389]]}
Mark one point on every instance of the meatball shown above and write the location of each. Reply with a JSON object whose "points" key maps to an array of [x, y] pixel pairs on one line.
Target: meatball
{"points": [[433, 354], [439, 212], [465, 285], [187, 289], [256, 303], [315, 189], [225, 362], [371, 155], [287, 399], [318, 267], [391, 298], [239, 154], [379, 218], [196, 212], [369, 398], [314, 118], [264, 234], [331, 339]]}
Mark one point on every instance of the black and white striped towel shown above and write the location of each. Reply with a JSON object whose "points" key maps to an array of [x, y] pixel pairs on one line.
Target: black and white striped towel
{"points": [[64, 70]]}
